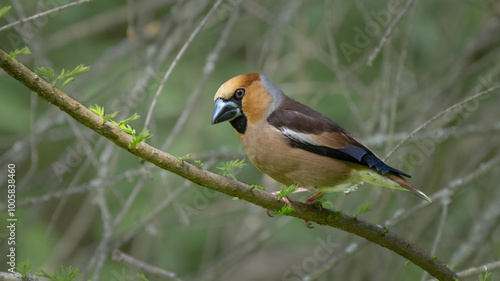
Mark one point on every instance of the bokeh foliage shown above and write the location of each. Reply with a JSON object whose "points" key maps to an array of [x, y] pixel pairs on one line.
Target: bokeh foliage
{"points": [[440, 53]]}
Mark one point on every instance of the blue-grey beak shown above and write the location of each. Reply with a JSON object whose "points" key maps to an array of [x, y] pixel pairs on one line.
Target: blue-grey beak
{"points": [[225, 111]]}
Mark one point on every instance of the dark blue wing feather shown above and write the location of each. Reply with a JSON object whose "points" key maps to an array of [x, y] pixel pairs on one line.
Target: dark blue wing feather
{"points": [[369, 159], [352, 153]]}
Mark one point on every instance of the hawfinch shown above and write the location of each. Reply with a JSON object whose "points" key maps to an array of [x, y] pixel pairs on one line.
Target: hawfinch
{"points": [[294, 144]]}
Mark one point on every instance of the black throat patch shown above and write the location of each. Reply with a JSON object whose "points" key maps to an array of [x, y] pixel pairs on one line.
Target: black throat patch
{"points": [[239, 124]]}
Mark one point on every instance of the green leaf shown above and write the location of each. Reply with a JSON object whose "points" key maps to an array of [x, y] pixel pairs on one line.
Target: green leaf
{"points": [[450, 266], [16, 52], [65, 274], [365, 208], [198, 163], [69, 80], [337, 215], [46, 73], [286, 190], [227, 167], [325, 203], [97, 110], [127, 129], [131, 118], [107, 117], [386, 230], [60, 77], [285, 210], [487, 276], [4, 10], [24, 268], [123, 124], [185, 157], [78, 70], [253, 186], [141, 277], [144, 135]]}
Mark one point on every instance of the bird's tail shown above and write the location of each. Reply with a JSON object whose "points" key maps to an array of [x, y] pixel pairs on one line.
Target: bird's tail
{"points": [[406, 185]]}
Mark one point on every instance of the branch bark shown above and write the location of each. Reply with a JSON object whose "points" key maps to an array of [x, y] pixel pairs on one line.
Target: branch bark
{"points": [[222, 184]]}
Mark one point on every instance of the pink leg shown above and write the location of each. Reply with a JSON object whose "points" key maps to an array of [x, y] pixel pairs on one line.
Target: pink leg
{"points": [[312, 201], [285, 199]]}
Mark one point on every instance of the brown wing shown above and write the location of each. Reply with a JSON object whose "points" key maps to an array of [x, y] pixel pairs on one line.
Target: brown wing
{"points": [[312, 131]]}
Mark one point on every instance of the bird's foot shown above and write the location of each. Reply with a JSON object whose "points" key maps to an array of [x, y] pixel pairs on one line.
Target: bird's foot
{"points": [[312, 201], [285, 199]]}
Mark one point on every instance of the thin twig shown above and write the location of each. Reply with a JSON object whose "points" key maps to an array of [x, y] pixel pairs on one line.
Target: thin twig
{"points": [[389, 31], [118, 255], [445, 202], [252, 243], [478, 233], [72, 190], [207, 71], [398, 82], [338, 70], [32, 142], [480, 269], [100, 198], [130, 200], [34, 17], [489, 267], [440, 114], [452, 188], [176, 59], [152, 215], [349, 250]]}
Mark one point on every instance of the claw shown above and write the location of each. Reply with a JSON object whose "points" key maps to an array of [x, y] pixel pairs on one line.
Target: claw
{"points": [[267, 212], [307, 224], [312, 201]]}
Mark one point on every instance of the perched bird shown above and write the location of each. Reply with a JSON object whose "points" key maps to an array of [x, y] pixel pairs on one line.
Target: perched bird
{"points": [[294, 144]]}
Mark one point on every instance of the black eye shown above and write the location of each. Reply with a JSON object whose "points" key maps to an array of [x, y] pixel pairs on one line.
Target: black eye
{"points": [[239, 93]]}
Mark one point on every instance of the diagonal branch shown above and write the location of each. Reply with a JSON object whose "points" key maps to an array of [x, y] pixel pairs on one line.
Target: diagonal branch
{"points": [[222, 184]]}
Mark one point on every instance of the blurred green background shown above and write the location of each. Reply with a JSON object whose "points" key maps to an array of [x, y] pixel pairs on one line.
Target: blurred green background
{"points": [[80, 197]]}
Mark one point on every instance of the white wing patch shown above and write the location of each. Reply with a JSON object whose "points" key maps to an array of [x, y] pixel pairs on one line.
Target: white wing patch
{"points": [[300, 137]]}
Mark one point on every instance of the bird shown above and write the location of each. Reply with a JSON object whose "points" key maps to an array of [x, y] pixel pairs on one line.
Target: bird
{"points": [[296, 145]]}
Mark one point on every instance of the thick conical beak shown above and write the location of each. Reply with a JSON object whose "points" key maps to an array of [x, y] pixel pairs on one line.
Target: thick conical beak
{"points": [[225, 111]]}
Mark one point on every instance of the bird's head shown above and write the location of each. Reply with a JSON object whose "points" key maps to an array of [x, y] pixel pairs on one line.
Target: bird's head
{"points": [[245, 98]]}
